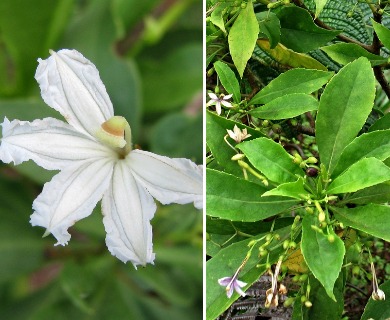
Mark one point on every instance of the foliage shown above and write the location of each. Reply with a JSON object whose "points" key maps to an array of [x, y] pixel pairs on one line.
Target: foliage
{"points": [[149, 55], [307, 187]]}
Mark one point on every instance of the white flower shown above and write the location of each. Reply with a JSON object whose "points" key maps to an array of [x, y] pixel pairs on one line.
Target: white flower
{"points": [[217, 101], [93, 151], [238, 135]]}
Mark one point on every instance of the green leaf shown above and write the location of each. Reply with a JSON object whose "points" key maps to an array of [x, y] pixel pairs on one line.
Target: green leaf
{"points": [[362, 174], [382, 32], [216, 16], [292, 81], [344, 53], [288, 57], [242, 37], [178, 135], [271, 159], [299, 32], [324, 258], [270, 26], [374, 144], [216, 127], [228, 80], [225, 263], [372, 218], [165, 86], [344, 106], [290, 189], [28, 30], [232, 198], [382, 123], [378, 310], [376, 194], [286, 106], [320, 4]]}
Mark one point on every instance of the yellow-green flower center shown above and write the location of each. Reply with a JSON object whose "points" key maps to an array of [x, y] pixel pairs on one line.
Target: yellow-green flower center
{"points": [[116, 133]]}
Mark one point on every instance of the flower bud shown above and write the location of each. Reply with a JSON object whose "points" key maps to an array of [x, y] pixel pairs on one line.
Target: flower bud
{"points": [[289, 301], [238, 156], [308, 304]]}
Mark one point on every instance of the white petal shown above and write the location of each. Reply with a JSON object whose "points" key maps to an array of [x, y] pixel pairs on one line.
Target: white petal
{"points": [[218, 107], [70, 196], [71, 85], [127, 208], [227, 97], [168, 180], [213, 96], [51, 143], [226, 104]]}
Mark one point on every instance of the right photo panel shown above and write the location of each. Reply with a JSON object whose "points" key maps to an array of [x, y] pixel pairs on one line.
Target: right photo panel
{"points": [[297, 157]]}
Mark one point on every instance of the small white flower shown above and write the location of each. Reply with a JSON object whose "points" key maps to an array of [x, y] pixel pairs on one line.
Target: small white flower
{"points": [[217, 101], [94, 153], [238, 135]]}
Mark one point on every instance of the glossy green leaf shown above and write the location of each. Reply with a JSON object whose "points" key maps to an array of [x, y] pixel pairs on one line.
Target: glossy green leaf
{"points": [[382, 123], [228, 80], [362, 174], [376, 194], [224, 264], [299, 32], [320, 4], [288, 57], [374, 144], [216, 16], [344, 53], [294, 190], [292, 81], [344, 106], [232, 198], [271, 159], [242, 37], [382, 32], [372, 218], [270, 26], [216, 127], [286, 106], [378, 310], [324, 258]]}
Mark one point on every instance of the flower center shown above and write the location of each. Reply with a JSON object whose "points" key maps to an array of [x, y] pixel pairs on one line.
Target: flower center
{"points": [[116, 133]]}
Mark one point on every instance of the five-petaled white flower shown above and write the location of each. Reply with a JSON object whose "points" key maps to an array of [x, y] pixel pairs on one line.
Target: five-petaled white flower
{"points": [[217, 101], [94, 153]]}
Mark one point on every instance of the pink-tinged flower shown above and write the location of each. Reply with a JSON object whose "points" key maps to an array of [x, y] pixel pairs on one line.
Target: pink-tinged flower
{"points": [[232, 283], [218, 101], [237, 134], [93, 151]]}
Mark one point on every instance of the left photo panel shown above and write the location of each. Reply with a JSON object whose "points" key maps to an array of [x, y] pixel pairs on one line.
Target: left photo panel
{"points": [[101, 152]]}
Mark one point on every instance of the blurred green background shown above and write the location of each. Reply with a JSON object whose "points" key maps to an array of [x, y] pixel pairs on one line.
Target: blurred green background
{"points": [[149, 55]]}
